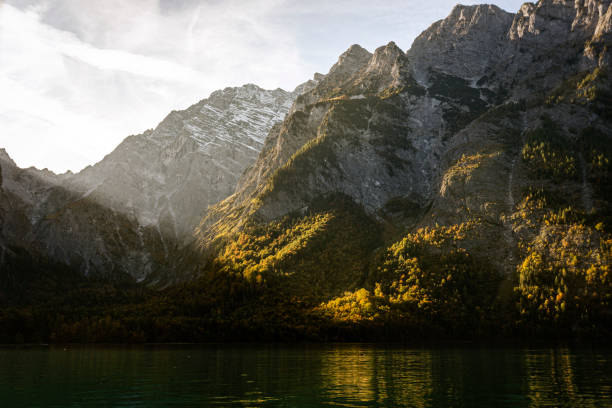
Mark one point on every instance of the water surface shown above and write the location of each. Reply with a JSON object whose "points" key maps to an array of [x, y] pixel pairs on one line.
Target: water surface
{"points": [[353, 375]]}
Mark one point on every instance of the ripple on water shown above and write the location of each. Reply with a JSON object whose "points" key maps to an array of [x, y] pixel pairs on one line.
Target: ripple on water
{"points": [[345, 375]]}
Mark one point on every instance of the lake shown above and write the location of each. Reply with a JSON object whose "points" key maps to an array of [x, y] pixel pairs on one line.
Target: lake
{"points": [[345, 375]]}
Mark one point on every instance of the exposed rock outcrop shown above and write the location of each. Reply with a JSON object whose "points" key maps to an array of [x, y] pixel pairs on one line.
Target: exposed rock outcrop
{"points": [[465, 44]]}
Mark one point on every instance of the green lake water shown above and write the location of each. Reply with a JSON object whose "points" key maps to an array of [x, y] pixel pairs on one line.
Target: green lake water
{"points": [[344, 375]]}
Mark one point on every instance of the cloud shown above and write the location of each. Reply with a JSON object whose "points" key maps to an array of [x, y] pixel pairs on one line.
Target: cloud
{"points": [[74, 83], [76, 76]]}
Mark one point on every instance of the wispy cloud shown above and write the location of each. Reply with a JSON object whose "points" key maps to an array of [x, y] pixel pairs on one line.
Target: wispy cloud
{"points": [[74, 84]]}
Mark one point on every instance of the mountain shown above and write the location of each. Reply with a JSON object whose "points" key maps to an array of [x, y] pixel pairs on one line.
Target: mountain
{"points": [[48, 221], [131, 214], [167, 177], [481, 152], [459, 189]]}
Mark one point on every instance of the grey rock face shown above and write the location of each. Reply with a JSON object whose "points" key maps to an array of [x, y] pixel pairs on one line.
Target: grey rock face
{"points": [[464, 44], [553, 22], [501, 51], [350, 62], [551, 40], [47, 220]]}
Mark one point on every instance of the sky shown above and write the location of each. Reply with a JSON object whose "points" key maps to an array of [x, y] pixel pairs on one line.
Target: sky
{"points": [[78, 76]]}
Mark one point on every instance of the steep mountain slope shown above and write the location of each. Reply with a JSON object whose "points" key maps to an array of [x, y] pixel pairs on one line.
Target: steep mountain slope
{"points": [[51, 222], [482, 150], [350, 134], [167, 177], [132, 214]]}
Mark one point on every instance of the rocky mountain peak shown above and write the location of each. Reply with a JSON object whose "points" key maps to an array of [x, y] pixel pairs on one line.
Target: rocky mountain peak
{"points": [[463, 44], [385, 69], [463, 19], [487, 45], [308, 85], [385, 57], [558, 21], [4, 156], [562, 36], [547, 17], [169, 176], [250, 93], [350, 61]]}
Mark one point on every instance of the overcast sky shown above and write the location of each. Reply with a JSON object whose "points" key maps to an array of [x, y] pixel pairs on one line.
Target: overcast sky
{"points": [[78, 76]]}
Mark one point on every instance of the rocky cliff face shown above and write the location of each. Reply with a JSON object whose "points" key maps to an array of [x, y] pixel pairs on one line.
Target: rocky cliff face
{"points": [[55, 224], [465, 44], [130, 214], [525, 52]]}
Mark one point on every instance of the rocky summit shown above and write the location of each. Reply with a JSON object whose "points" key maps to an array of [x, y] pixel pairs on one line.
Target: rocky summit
{"points": [[460, 187]]}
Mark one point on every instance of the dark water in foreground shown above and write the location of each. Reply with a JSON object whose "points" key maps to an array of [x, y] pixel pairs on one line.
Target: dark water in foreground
{"points": [[304, 376]]}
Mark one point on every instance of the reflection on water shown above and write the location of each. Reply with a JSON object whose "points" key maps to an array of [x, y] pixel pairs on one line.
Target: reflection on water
{"points": [[305, 376], [556, 378], [371, 376]]}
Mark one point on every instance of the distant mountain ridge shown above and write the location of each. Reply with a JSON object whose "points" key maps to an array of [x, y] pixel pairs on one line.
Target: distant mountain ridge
{"points": [[170, 175], [149, 193]]}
